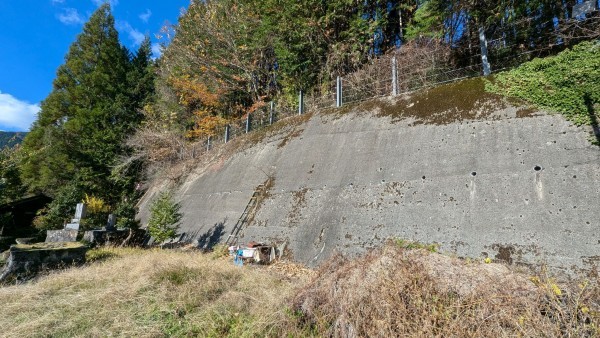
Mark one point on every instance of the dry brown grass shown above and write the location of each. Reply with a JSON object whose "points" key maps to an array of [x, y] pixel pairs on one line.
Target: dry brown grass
{"points": [[395, 292], [147, 294], [390, 292]]}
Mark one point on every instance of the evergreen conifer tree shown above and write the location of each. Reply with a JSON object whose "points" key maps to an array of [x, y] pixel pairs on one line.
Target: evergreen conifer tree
{"points": [[94, 105], [10, 183], [164, 219]]}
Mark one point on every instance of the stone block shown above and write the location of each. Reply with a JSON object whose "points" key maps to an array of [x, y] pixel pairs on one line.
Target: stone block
{"points": [[115, 237], [72, 226], [25, 260], [80, 211], [66, 235], [110, 224]]}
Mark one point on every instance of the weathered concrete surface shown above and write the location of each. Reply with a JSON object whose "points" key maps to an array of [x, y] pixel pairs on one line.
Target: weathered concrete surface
{"points": [[461, 175]]}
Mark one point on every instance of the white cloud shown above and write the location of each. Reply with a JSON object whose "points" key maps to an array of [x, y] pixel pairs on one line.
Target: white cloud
{"points": [[156, 50], [112, 3], [136, 36], [146, 15], [15, 114], [57, 2], [70, 16]]}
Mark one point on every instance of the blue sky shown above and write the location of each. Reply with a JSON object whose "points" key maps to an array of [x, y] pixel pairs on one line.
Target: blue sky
{"points": [[35, 36]]}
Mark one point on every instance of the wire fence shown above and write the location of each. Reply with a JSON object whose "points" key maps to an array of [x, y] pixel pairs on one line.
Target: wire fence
{"points": [[409, 68]]}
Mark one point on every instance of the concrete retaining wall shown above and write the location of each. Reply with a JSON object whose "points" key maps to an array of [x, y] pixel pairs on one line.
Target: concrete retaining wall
{"points": [[475, 174]]}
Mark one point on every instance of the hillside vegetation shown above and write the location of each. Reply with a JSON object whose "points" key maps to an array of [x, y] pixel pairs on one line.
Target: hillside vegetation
{"points": [[9, 139], [402, 289], [116, 118], [568, 83]]}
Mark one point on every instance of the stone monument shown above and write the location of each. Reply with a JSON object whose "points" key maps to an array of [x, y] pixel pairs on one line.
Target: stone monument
{"points": [[69, 233], [80, 212], [110, 224]]}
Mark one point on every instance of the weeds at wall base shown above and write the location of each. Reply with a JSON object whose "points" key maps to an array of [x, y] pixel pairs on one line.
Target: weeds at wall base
{"points": [[401, 289]]}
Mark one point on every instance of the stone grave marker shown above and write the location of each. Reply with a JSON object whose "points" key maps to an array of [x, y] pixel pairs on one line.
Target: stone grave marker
{"points": [[80, 212], [110, 224], [69, 233]]}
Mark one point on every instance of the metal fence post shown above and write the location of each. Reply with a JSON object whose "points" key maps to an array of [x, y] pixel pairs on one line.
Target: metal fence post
{"points": [[338, 92], [301, 103], [248, 123], [484, 52], [226, 133], [394, 77], [271, 112], [208, 144]]}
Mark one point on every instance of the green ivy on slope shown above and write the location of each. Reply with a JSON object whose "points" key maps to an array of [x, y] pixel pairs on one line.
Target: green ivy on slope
{"points": [[568, 83]]}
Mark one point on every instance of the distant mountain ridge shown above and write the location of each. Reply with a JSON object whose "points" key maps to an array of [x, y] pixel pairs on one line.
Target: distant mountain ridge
{"points": [[9, 139]]}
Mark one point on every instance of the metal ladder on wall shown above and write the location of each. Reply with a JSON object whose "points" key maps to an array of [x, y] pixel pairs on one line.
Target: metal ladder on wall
{"points": [[233, 237]]}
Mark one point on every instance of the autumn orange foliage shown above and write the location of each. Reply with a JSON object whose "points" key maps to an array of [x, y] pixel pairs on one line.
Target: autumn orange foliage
{"points": [[256, 105], [193, 93], [204, 103], [206, 125]]}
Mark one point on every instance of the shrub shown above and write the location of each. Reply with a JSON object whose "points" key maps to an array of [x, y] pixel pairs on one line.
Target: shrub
{"points": [[60, 210], [126, 210], [164, 217], [97, 211]]}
